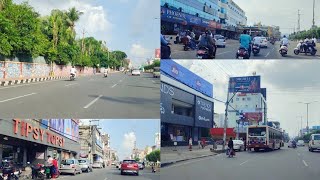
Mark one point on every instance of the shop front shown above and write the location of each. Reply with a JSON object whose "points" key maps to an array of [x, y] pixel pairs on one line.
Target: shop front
{"points": [[25, 141]]}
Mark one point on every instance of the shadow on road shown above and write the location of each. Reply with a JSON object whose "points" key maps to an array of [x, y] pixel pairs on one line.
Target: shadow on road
{"points": [[129, 100]]}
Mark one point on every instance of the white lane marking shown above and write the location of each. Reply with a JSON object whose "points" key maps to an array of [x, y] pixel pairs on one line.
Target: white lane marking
{"points": [[223, 53], [106, 179], [244, 162], [153, 81], [114, 85], [304, 162], [267, 54], [92, 102], [17, 97], [71, 84]]}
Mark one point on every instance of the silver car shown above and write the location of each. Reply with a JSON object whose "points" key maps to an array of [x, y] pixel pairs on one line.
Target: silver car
{"points": [[70, 166], [85, 165]]}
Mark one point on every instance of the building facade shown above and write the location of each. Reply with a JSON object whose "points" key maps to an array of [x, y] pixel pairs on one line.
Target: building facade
{"points": [[32, 141], [107, 158], [91, 143], [235, 15], [186, 105]]}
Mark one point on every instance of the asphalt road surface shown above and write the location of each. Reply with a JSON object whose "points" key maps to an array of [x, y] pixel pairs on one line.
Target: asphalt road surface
{"points": [[229, 52], [111, 173], [117, 96], [284, 164]]}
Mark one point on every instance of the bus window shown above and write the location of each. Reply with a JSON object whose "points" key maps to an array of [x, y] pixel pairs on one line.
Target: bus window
{"points": [[259, 131]]}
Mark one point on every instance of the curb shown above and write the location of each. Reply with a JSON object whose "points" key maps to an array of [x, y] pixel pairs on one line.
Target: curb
{"points": [[173, 162]]}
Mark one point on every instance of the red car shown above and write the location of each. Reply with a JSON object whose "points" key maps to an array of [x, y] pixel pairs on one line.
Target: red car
{"points": [[130, 166]]}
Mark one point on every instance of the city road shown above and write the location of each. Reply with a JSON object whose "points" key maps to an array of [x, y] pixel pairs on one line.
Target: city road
{"points": [[284, 164], [229, 52], [117, 96], [111, 173]]}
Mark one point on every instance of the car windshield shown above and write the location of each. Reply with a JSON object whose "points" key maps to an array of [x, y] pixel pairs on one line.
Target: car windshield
{"points": [[300, 141], [129, 162], [136, 70], [258, 131], [316, 137], [67, 162], [237, 141], [82, 161]]}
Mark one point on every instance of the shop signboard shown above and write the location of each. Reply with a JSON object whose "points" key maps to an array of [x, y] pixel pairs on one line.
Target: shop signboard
{"points": [[246, 84], [57, 125], [179, 17], [183, 75], [203, 113], [67, 128]]}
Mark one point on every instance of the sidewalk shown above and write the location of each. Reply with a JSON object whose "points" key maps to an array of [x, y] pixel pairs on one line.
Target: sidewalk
{"points": [[182, 153]]}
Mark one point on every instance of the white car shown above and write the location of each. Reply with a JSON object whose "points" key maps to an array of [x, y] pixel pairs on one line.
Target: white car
{"points": [[300, 143], [238, 145], [290, 145], [220, 41], [264, 42], [314, 143], [135, 72], [97, 165]]}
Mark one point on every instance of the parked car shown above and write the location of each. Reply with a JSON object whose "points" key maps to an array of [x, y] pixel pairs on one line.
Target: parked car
{"points": [[97, 164], [220, 41], [130, 166], [238, 145], [300, 143], [70, 166], [314, 143], [85, 165], [156, 72], [135, 72]]}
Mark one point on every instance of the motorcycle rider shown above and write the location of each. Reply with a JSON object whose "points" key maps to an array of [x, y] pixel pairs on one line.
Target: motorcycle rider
{"points": [[208, 42], [294, 144], [73, 71], [245, 41], [308, 43], [284, 41], [165, 48]]}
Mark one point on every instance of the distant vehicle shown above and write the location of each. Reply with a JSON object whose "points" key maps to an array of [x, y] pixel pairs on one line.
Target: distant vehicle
{"points": [[208, 140], [314, 143], [141, 167], [300, 143], [156, 72], [220, 41], [130, 166], [85, 165], [290, 144], [238, 145], [70, 166], [264, 42], [135, 72], [97, 164], [119, 165], [264, 137], [113, 164]]}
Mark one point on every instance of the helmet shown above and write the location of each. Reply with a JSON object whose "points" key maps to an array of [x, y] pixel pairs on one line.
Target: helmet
{"points": [[284, 36], [208, 32]]}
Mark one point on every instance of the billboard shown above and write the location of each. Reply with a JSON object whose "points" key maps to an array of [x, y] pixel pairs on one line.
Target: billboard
{"points": [[203, 113], [246, 84], [157, 53], [67, 128], [264, 93], [98, 139], [74, 130], [183, 75], [253, 116], [316, 127], [57, 125]]}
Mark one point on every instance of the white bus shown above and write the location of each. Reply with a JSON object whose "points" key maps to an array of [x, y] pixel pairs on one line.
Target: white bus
{"points": [[264, 137]]}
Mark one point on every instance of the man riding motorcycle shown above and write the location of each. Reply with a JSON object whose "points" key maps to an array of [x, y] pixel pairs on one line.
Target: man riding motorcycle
{"points": [[73, 71], [207, 41], [245, 41], [284, 41]]}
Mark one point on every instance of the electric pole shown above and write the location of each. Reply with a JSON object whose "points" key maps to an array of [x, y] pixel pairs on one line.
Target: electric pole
{"points": [[298, 29], [313, 21]]}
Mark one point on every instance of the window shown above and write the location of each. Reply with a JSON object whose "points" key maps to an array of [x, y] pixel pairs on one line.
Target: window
{"points": [[182, 108]]}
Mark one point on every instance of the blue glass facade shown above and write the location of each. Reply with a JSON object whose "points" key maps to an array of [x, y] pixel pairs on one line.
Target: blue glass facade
{"points": [[196, 7]]}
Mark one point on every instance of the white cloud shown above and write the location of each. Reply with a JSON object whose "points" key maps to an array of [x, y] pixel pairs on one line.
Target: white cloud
{"points": [[128, 142], [138, 51]]}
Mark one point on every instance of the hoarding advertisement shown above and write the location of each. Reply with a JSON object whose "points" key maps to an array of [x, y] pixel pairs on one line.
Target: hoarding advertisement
{"points": [[57, 125], [74, 130], [253, 116], [183, 75], [98, 140], [157, 53], [204, 113], [246, 84], [67, 128]]}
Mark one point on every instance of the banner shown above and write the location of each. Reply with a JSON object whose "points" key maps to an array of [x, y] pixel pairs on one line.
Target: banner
{"points": [[253, 116], [157, 53], [246, 84], [67, 128], [57, 125], [74, 130], [183, 75]]}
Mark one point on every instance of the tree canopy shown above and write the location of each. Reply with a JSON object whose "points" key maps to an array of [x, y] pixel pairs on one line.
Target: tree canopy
{"points": [[24, 33], [312, 33], [154, 156]]}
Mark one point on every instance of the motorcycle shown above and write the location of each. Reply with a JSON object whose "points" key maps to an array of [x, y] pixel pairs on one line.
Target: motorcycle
{"points": [[153, 170], [242, 53], [255, 49], [203, 53], [294, 146], [283, 50], [299, 49], [72, 77], [105, 74], [38, 172]]}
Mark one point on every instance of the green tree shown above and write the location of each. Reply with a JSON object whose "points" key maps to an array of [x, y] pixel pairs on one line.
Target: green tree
{"points": [[154, 156], [137, 159]]}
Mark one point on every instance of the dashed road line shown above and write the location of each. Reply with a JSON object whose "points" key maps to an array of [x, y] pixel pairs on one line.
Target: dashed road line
{"points": [[71, 84], [304, 162], [92, 102], [114, 85], [18, 97], [244, 162]]}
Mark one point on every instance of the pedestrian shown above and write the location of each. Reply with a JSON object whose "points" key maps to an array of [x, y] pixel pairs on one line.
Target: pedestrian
{"points": [[55, 168], [245, 145], [199, 144], [230, 146], [203, 143], [190, 144]]}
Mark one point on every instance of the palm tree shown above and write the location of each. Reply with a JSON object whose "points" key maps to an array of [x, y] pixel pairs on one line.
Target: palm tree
{"points": [[73, 15]]}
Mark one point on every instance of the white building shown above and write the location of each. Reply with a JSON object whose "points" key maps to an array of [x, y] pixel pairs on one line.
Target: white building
{"points": [[235, 15], [253, 105], [219, 119], [157, 140]]}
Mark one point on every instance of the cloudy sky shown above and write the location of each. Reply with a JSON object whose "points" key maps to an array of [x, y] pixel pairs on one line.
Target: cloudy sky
{"points": [[123, 133], [287, 83], [125, 25], [283, 13]]}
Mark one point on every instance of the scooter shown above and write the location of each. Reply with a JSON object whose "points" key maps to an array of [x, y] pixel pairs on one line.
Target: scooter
{"points": [[242, 53], [105, 74], [299, 49], [38, 172], [72, 77], [283, 50], [203, 53], [255, 49], [153, 170]]}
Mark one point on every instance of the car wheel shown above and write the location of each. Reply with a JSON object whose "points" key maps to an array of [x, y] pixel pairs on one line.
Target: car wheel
{"points": [[121, 172], [137, 173]]}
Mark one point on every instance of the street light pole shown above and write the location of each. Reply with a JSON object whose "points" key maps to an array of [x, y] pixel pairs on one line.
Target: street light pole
{"points": [[307, 112]]}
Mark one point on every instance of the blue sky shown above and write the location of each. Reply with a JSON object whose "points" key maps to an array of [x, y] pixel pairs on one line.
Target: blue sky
{"points": [[126, 25], [123, 132]]}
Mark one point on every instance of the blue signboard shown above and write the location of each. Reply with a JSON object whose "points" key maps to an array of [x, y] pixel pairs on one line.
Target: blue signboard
{"points": [[44, 123], [246, 84], [179, 17], [316, 127], [264, 93], [183, 75], [204, 113]]}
